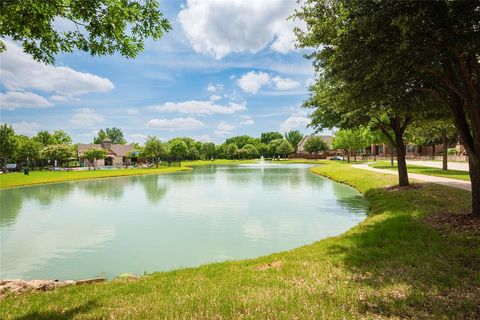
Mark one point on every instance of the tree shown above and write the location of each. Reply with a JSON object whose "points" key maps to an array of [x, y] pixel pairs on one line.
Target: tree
{"points": [[315, 144], [267, 137], [61, 137], [349, 141], [27, 148], [178, 149], [294, 137], [263, 149], [285, 148], [98, 27], [59, 152], [8, 144], [231, 150], [193, 153], [208, 150], [273, 146], [114, 134], [250, 151], [240, 141], [432, 132], [93, 154], [154, 149], [45, 138], [426, 49]]}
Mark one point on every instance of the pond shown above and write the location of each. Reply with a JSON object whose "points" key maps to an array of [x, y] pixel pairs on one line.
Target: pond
{"points": [[142, 224]]}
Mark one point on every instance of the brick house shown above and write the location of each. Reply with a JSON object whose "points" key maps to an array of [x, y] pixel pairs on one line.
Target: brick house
{"points": [[117, 154]]}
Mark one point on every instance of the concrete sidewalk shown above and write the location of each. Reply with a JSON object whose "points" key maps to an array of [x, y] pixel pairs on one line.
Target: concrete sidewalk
{"points": [[461, 166], [459, 184]]}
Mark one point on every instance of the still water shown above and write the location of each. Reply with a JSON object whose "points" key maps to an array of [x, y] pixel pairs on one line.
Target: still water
{"points": [[102, 228]]}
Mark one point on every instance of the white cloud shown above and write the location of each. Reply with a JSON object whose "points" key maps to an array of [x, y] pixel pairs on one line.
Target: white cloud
{"points": [[18, 99], [219, 27], [86, 117], [203, 138], [20, 71], [215, 97], [224, 129], [175, 124], [247, 121], [199, 107], [132, 112], [294, 122], [251, 82], [214, 88], [137, 137], [285, 83], [26, 128]]}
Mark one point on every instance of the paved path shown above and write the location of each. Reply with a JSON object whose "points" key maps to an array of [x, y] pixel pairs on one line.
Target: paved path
{"points": [[462, 166], [459, 184]]}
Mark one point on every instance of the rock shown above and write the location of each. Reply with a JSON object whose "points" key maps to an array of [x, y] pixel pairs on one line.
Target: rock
{"points": [[18, 286]]}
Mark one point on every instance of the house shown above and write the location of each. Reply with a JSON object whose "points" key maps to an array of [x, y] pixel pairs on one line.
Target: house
{"points": [[301, 145], [117, 154]]}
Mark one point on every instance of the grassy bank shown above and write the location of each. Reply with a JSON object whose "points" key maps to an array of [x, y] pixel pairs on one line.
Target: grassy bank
{"points": [[390, 265], [38, 177], [452, 174]]}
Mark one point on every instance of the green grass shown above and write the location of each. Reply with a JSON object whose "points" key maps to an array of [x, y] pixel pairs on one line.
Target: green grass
{"points": [[391, 265], [452, 174]]}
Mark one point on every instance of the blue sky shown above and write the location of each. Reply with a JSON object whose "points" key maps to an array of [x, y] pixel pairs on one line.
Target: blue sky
{"points": [[226, 68]]}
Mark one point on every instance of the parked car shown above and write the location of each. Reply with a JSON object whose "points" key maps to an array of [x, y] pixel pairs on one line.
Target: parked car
{"points": [[12, 167], [337, 158]]}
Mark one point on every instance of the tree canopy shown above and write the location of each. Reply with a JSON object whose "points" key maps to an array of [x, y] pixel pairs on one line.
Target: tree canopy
{"points": [[294, 137], [114, 134], [100, 27]]}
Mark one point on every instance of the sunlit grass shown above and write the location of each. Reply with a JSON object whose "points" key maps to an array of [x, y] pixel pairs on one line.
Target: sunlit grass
{"points": [[452, 174]]}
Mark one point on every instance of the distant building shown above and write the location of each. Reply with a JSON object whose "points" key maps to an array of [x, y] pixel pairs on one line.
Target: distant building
{"points": [[301, 145], [117, 154]]}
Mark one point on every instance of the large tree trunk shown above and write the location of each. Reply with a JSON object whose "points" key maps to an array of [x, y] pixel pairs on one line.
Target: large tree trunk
{"points": [[475, 179], [400, 148], [445, 152]]}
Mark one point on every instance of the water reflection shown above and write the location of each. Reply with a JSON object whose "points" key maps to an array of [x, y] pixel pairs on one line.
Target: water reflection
{"points": [[159, 222]]}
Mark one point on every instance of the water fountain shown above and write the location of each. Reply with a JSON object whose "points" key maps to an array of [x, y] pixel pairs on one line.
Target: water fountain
{"points": [[262, 161]]}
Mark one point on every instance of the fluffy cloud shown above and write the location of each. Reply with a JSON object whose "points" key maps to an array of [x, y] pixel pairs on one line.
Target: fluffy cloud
{"points": [[26, 128], [224, 129], [214, 87], [247, 121], [219, 27], [251, 82], [215, 97], [138, 137], [175, 124], [294, 122], [20, 71], [86, 117], [285, 83], [17, 99], [199, 107]]}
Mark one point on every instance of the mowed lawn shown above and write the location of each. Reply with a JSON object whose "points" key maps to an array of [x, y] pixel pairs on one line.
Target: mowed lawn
{"points": [[452, 174], [392, 265], [38, 177]]}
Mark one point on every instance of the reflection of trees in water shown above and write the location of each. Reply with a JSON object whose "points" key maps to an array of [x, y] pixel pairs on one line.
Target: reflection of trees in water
{"points": [[11, 200], [275, 179], [108, 188], [155, 189]]}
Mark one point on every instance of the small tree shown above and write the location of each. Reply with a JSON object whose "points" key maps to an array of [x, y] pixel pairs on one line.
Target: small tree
{"points": [[208, 150], [93, 154], [285, 148], [349, 141], [294, 137], [8, 144], [250, 151], [315, 144], [231, 150], [27, 148], [59, 152], [273, 146], [154, 149], [178, 149]]}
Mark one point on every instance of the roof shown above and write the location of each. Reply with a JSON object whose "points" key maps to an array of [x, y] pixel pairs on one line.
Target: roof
{"points": [[119, 150], [328, 140]]}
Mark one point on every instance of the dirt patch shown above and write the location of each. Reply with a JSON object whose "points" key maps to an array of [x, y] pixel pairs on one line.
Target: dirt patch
{"points": [[454, 223], [272, 265], [405, 188]]}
